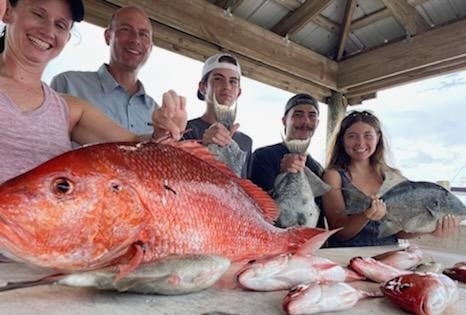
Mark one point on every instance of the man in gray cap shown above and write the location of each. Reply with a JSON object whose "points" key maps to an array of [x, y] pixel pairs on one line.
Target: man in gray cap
{"points": [[300, 119], [216, 128]]}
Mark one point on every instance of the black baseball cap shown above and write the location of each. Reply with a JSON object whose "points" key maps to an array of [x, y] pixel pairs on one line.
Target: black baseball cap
{"points": [[300, 99], [77, 10]]}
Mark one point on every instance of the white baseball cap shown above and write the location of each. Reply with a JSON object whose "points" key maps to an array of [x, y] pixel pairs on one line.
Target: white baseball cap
{"points": [[219, 61]]}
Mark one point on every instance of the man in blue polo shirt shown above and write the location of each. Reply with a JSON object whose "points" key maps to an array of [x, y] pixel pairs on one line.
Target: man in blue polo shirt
{"points": [[114, 88]]}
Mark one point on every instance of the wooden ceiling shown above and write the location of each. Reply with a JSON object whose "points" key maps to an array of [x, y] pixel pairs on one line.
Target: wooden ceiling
{"points": [[318, 46]]}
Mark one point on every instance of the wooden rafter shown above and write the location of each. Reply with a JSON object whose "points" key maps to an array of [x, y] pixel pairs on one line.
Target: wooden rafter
{"points": [[225, 4], [346, 27], [295, 20], [208, 22], [439, 46], [291, 5], [98, 12], [408, 16]]}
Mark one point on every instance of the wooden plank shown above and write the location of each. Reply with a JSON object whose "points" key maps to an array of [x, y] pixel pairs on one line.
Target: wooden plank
{"points": [[208, 22], [415, 75], [225, 4], [408, 16], [290, 5], [442, 44], [295, 20], [349, 10], [99, 12], [378, 15]]}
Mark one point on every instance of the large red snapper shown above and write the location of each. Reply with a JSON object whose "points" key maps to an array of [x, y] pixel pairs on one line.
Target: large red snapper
{"points": [[128, 203]]}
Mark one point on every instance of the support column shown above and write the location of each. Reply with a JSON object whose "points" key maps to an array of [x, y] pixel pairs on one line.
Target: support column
{"points": [[336, 111]]}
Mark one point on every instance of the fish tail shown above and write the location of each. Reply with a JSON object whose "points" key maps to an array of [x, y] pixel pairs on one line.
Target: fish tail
{"points": [[305, 241], [26, 284]]}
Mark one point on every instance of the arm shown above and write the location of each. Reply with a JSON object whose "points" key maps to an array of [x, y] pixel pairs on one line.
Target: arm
{"points": [[334, 208], [89, 125]]}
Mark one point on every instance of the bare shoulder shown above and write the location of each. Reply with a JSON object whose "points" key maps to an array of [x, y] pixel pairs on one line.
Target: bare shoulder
{"points": [[331, 176]]}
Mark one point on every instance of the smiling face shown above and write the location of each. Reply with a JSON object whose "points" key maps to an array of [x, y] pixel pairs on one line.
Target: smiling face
{"points": [[301, 122], [225, 83], [130, 39], [38, 29], [360, 141]]}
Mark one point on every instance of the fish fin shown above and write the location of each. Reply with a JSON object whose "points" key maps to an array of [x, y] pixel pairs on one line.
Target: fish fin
{"points": [[26, 284], [267, 205], [387, 228], [314, 239], [318, 186], [229, 279], [132, 264]]}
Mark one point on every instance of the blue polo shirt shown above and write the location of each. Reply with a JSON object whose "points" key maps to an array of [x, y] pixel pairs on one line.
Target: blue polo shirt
{"points": [[133, 112]]}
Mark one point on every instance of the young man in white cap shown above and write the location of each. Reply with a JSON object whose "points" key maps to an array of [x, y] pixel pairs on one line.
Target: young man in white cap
{"points": [[220, 88]]}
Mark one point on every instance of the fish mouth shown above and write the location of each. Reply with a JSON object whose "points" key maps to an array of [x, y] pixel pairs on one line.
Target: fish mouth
{"points": [[224, 114], [13, 239]]}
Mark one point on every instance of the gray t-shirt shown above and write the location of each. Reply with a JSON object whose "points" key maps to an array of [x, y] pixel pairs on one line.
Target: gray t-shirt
{"points": [[197, 127], [103, 91]]}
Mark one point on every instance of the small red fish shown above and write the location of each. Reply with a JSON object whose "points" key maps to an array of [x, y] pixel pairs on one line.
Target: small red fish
{"points": [[287, 270], [316, 298], [422, 294], [131, 203], [403, 259], [375, 270], [457, 272]]}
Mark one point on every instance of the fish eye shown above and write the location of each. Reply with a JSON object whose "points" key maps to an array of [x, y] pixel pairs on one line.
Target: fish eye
{"points": [[62, 186], [434, 203]]}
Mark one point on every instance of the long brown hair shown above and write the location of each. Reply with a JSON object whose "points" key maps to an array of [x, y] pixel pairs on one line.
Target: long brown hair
{"points": [[337, 156]]}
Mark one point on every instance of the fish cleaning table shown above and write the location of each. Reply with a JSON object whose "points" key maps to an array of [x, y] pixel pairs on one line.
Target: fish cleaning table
{"points": [[54, 299]]}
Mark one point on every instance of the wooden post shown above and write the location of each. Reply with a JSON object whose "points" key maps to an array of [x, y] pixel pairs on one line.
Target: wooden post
{"points": [[336, 111]]}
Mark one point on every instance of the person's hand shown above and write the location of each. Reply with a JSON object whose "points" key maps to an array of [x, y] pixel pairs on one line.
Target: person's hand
{"points": [[292, 163], [446, 226], [171, 118], [218, 134], [377, 209]]}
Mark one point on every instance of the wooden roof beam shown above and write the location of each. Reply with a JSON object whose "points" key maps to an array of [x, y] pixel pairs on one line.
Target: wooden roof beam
{"points": [[440, 45], [411, 20], [205, 21], [379, 15], [295, 20], [98, 12], [349, 10], [290, 5]]}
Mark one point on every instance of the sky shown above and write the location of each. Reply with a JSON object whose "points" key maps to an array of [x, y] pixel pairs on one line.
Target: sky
{"points": [[424, 122]]}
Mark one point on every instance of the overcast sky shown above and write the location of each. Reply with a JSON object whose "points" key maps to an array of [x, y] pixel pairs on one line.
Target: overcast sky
{"points": [[425, 121]]}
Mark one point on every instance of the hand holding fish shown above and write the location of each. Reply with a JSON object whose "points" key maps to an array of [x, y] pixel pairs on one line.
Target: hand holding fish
{"points": [[377, 209], [170, 119], [218, 134], [446, 226], [292, 163]]}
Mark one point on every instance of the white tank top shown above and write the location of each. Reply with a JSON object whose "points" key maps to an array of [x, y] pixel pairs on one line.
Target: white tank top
{"points": [[28, 139]]}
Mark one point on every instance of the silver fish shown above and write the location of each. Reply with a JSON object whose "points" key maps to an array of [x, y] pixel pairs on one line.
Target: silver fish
{"points": [[172, 275], [231, 154], [294, 193], [413, 207], [316, 298]]}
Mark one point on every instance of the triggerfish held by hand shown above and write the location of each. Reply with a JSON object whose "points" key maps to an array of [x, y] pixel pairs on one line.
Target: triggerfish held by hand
{"points": [[130, 203]]}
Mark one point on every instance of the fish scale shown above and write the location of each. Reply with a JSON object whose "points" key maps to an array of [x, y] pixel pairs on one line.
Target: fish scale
{"points": [[129, 203]]}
